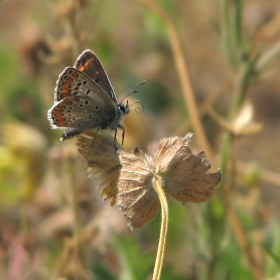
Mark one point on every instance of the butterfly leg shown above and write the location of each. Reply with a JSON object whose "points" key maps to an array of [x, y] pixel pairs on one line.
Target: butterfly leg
{"points": [[95, 136], [115, 139], [123, 132]]}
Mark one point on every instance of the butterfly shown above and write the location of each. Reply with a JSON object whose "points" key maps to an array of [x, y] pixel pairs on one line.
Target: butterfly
{"points": [[85, 99]]}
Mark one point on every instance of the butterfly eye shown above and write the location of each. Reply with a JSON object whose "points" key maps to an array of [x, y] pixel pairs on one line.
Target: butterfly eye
{"points": [[122, 108]]}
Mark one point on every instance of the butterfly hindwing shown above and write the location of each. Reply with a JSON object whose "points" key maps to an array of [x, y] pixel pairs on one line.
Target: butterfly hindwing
{"points": [[82, 112], [89, 63]]}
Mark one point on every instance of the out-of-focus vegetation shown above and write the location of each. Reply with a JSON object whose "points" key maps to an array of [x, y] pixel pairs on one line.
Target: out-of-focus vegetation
{"points": [[231, 51]]}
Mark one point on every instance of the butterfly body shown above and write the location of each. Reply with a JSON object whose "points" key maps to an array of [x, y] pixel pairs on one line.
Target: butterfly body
{"points": [[85, 99]]}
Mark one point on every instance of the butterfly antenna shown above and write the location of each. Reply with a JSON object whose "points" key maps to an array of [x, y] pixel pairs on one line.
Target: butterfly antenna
{"points": [[133, 90], [138, 109]]}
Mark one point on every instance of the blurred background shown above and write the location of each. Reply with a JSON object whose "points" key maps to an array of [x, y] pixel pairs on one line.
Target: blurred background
{"points": [[230, 49]]}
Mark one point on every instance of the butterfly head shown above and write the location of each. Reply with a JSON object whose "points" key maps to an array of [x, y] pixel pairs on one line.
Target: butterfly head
{"points": [[123, 109]]}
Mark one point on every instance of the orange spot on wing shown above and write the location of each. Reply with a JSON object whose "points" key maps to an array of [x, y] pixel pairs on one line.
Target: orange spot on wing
{"points": [[60, 120], [58, 115], [64, 95], [85, 64], [75, 75], [75, 99], [60, 108], [82, 68], [68, 102], [65, 90], [67, 85], [69, 79]]}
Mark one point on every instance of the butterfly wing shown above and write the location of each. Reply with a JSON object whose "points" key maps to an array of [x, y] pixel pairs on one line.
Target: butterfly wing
{"points": [[81, 102], [82, 112], [72, 82], [89, 63], [84, 98]]}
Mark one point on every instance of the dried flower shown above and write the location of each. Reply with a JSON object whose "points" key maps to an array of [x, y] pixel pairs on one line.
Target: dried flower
{"points": [[128, 178], [137, 198], [182, 174], [102, 161]]}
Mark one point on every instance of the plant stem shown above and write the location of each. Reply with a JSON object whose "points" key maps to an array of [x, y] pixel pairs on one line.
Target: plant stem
{"points": [[184, 78], [163, 229]]}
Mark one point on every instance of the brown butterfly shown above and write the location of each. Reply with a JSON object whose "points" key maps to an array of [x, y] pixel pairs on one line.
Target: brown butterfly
{"points": [[84, 99]]}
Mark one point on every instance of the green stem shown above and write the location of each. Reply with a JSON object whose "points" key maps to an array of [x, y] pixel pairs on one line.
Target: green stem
{"points": [[225, 25], [163, 229], [237, 25]]}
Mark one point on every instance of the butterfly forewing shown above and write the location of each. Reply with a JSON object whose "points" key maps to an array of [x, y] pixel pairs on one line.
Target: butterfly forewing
{"points": [[72, 82], [81, 102], [89, 63]]}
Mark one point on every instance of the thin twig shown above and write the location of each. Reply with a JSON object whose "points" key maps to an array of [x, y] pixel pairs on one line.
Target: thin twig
{"points": [[268, 56], [208, 102], [266, 175], [241, 237], [183, 77]]}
